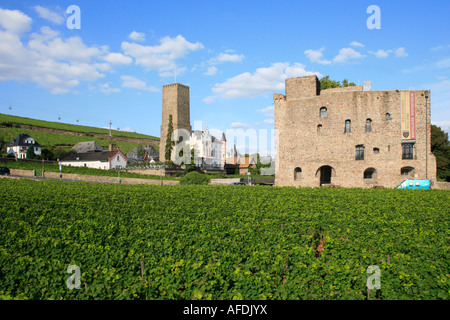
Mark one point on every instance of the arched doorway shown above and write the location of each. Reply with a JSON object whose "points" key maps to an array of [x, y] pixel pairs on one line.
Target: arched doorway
{"points": [[325, 173]]}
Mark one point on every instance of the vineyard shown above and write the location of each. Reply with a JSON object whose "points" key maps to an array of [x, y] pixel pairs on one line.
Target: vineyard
{"points": [[221, 242]]}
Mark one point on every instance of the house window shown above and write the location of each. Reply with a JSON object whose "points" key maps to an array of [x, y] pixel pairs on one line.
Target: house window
{"points": [[118, 158], [297, 173], [323, 112], [319, 128], [347, 126], [388, 116], [368, 125], [408, 151], [369, 173], [359, 152]]}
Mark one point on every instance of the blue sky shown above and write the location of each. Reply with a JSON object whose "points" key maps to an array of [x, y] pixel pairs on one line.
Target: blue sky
{"points": [[233, 54]]}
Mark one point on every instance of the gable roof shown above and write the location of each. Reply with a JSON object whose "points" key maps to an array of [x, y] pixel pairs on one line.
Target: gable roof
{"points": [[87, 146], [104, 156], [20, 141]]}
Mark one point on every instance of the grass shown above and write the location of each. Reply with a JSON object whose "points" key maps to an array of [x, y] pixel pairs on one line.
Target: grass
{"points": [[4, 118]]}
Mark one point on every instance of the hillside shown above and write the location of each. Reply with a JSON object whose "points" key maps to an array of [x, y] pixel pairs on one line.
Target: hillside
{"points": [[57, 136]]}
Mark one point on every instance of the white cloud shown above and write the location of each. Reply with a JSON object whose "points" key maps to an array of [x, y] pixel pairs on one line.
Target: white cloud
{"points": [[226, 57], [269, 111], [401, 53], [211, 71], [161, 57], [118, 58], [269, 121], [132, 82], [47, 14], [14, 21], [381, 53], [54, 63], [240, 125], [106, 89], [440, 47], [137, 36], [48, 44], [357, 44], [316, 56], [262, 81], [346, 54]]}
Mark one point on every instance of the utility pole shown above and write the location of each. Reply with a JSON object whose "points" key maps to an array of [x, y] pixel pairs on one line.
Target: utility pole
{"points": [[110, 123]]}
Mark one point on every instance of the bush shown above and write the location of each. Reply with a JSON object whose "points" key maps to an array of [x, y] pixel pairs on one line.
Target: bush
{"points": [[194, 178]]}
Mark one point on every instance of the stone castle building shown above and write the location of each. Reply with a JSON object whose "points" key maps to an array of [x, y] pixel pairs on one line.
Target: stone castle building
{"points": [[351, 136], [210, 152]]}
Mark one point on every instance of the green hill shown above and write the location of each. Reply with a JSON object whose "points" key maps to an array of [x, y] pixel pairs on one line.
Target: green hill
{"points": [[59, 138], [6, 120]]}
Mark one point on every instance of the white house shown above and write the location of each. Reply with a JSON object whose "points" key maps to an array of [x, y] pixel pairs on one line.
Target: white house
{"points": [[20, 145], [99, 160], [210, 152]]}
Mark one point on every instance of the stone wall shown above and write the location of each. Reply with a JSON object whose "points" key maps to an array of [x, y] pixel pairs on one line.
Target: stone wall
{"points": [[25, 173], [303, 149]]}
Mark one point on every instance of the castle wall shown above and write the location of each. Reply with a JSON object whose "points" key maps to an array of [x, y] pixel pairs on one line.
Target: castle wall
{"points": [[302, 145]]}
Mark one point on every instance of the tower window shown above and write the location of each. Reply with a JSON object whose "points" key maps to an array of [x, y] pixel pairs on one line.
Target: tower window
{"points": [[347, 126], [408, 151], [323, 112], [297, 173], [319, 128], [376, 150], [359, 152], [388, 116], [368, 125]]}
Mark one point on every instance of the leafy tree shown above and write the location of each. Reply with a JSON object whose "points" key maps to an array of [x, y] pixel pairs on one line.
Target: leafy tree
{"points": [[140, 152], [2, 145], [327, 83], [441, 150], [169, 142], [30, 153], [194, 177]]}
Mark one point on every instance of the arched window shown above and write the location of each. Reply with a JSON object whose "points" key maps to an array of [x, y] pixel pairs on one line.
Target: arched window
{"points": [[347, 126], [319, 128], [359, 152], [323, 112], [370, 173], [368, 125], [376, 150], [407, 171], [297, 173], [388, 116]]}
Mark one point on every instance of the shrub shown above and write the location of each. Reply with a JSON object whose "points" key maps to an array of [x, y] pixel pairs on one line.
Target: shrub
{"points": [[194, 178]]}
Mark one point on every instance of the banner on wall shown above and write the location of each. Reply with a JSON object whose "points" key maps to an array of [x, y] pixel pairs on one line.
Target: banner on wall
{"points": [[408, 114]]}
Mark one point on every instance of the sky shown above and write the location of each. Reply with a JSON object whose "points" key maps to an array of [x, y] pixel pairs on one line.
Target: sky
{"points": [[103, 61]]}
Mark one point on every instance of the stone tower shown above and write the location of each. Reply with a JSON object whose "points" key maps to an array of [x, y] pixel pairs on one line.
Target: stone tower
{"points": [[175, 102]]}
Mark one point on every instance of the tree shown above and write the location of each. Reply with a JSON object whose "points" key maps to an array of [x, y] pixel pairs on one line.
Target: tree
{"points": [[326, 83], [30, 152], [440, 147], [140, 152], [169, 142], [2, 144]]}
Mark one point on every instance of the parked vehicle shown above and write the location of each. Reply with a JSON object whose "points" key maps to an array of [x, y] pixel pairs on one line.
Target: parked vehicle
{"points": [[237, 183], [5, 171], [415, 184]]}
